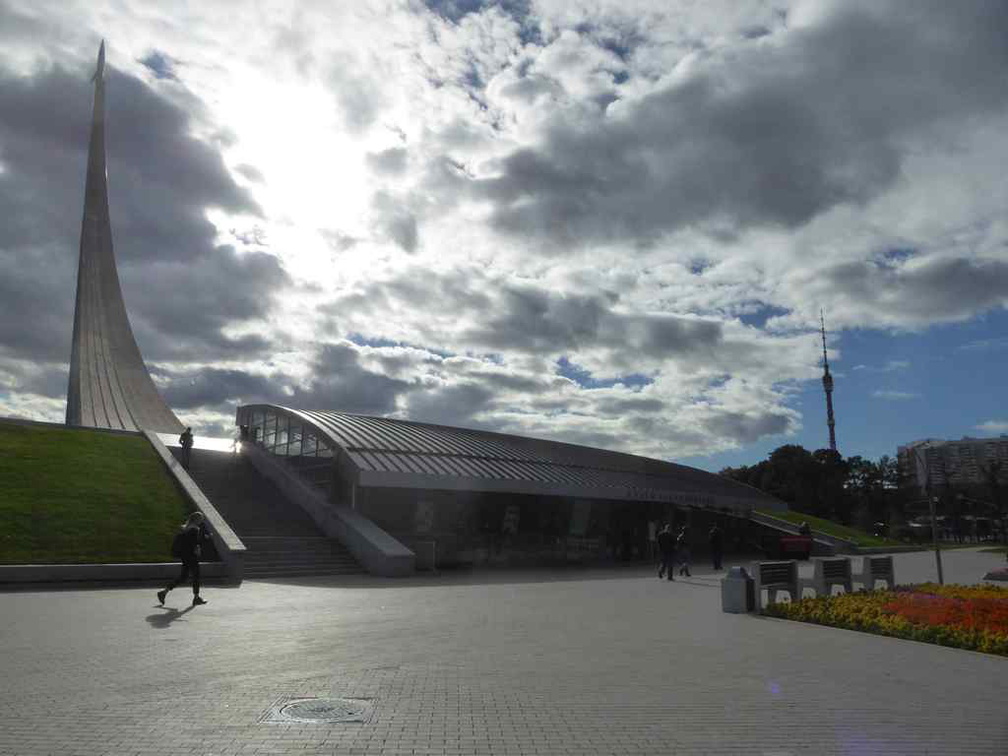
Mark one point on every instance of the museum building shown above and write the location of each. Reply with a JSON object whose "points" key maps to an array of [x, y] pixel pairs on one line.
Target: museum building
{"points": [[472, 495]]}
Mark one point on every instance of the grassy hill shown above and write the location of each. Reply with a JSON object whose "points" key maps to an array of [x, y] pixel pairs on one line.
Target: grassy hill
{"points": [[70, 496], [835, 529]]}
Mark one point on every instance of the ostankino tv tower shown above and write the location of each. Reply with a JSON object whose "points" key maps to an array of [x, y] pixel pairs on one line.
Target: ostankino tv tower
{"points": [[827, 384]]}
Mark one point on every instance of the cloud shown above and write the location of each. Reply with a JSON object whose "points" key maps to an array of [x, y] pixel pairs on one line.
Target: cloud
{"points": [[993, 426], [181, 289], [984, 345], [359, 99], [888, 367], [918, 292], [335, 380], [748, 428], [766, 135], [396, 221], [605, 223], [391, 161], [895, 396]]}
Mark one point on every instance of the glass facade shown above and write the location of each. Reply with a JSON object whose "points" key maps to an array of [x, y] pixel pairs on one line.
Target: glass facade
{"points": [[307, 452]]}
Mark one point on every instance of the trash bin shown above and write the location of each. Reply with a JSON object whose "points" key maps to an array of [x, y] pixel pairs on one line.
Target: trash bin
{"points": [[738, 591]]}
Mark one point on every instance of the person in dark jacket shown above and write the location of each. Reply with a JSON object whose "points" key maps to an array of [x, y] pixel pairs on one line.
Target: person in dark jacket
{"points": [[186, 442], [666, 551], [716, 545], [190, 539], [683, 552]]}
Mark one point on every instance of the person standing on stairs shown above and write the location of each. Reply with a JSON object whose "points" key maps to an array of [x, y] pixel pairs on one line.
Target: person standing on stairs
{"points": [[186, 547], [186, 441]]}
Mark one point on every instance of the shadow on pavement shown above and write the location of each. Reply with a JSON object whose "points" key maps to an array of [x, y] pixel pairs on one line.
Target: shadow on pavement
{"points": [[104, 585], [491, 575], [166, 616]]}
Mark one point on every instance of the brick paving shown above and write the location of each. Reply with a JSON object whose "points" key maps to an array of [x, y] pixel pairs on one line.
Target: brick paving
{"points": [[532, 662]]}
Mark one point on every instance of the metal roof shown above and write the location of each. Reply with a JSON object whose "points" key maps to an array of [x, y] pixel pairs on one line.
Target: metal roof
{"points": [[401, 453]]}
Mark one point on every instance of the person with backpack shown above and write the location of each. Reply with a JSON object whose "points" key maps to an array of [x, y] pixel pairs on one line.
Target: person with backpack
{"points": [[683, 552], [186, 547], [666, 551]]}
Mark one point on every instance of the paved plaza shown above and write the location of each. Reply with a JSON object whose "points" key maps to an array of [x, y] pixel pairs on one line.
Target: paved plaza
{"points": [[520, 662]]}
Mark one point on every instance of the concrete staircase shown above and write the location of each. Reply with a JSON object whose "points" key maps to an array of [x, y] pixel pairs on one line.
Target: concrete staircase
{"points": [[281, 539]]}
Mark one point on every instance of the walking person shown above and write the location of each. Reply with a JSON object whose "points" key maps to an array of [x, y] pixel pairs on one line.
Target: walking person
{"points": [[666, 552], [186, 441], [683, 552], [716, 545], [186, 547]]}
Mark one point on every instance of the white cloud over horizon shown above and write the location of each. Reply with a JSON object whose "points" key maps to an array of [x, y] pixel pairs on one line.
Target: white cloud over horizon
{"points": [[611, 223], [993, 426]]}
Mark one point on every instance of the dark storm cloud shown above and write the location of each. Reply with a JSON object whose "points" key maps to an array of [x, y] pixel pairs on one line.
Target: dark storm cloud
{"points": [[501, 381], [453, 404], [746, 428], [540, 321], [546, 322], [934, 290], [621, 407], [495, 315], [213, 387], [31, 378], [199, 298], [339, 381], [37, 299], [161, 178], [180, 288], [773, 134], [336, 381]]}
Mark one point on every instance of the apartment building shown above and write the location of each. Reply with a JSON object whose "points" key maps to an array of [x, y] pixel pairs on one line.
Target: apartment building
{"points": [[949, 462]]}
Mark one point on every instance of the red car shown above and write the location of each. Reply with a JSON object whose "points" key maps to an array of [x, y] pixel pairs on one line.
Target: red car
{"points": [[794, 546]]}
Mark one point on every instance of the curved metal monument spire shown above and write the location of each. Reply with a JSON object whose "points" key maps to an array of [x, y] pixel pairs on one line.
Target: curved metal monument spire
{"points": [[109, 384]]}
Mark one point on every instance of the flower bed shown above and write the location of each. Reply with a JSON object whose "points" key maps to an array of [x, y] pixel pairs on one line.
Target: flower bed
{"points": [[970, 617]]}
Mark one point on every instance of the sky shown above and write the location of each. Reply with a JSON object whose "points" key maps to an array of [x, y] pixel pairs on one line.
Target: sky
{"points": [[611, 223]]}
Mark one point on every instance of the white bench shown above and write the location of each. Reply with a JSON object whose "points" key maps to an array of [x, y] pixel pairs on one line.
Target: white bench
{"points": [[774, 577], [874, 568], [830, 572]]}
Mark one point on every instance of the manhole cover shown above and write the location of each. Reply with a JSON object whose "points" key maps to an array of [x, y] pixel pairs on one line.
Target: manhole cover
{"points": [[318, 710]]}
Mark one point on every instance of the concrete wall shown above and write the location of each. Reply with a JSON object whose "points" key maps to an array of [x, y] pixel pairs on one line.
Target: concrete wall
{"points": [[229, 547], [376, 550], [160, 572]]}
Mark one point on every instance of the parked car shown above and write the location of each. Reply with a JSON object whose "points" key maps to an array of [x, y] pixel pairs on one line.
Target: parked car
{"points": [[788, 545], [794, 546]]}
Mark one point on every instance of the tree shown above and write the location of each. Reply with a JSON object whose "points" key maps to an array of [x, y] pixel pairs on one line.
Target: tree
{"points": [[864, 487], [992, 480], [824, 484]]}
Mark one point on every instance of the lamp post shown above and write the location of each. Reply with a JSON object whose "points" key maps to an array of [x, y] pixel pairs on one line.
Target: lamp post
{"points": [[932, 500]]}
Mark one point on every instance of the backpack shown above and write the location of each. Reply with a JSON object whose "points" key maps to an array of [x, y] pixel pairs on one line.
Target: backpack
{"points": [[178, 544]]}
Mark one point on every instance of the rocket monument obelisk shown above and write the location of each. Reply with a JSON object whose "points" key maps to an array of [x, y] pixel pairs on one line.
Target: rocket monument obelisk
{"points": [[109, 386]]}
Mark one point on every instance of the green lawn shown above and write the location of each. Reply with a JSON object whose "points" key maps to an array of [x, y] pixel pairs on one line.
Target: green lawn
{"points": [[858, 537], [78, 496]]}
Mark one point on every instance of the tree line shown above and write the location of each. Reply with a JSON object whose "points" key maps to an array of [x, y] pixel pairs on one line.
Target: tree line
{"points": [[862, 492]]}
